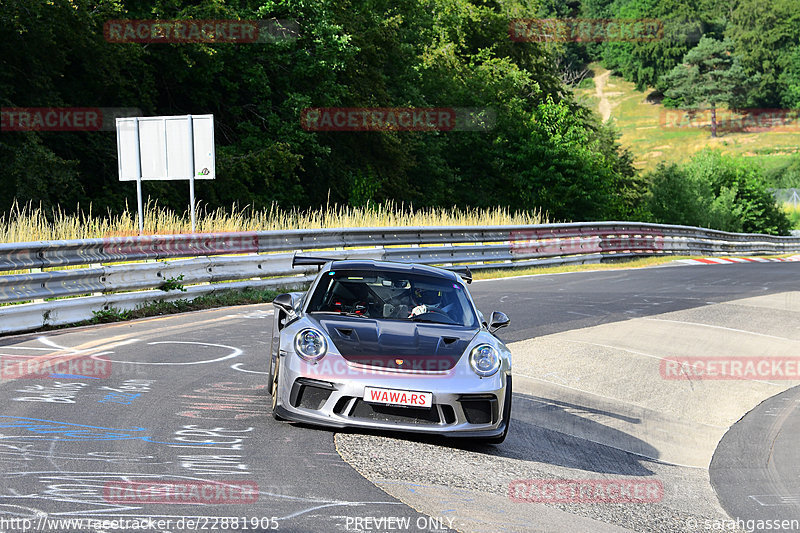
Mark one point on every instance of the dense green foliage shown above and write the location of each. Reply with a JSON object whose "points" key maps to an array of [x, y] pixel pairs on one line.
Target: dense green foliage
{"points": [[715, 191], [545, 151], [765, 37]]}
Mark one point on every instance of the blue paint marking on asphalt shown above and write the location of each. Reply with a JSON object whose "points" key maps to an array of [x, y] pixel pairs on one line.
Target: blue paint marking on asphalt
{"points": [[70, 376], [75, 432]]}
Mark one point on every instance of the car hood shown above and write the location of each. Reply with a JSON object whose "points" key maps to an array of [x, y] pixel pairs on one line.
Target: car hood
{"points": [[397, 343]]}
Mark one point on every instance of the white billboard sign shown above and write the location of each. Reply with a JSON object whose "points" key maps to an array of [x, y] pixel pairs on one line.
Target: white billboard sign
{"points": [[166, 148]]}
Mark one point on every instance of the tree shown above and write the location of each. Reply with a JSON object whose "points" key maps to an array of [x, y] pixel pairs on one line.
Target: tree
{"points": [[715, 191], [789, 81], [374, 53], [708, 76], [764, 34]]}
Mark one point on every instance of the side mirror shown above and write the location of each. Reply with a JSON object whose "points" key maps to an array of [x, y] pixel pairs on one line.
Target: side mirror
{"points": [[498, 320], [284, 302]]}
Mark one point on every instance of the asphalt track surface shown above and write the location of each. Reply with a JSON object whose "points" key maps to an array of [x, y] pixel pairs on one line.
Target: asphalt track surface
{"points": [[756, 469], [184, 400]]}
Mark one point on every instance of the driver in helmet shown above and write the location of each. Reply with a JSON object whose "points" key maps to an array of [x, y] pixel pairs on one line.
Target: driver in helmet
{"points": [[424, 299]]}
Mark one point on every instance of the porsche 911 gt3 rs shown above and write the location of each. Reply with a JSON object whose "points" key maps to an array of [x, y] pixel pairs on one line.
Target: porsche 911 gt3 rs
{"points": [[390, 346]]}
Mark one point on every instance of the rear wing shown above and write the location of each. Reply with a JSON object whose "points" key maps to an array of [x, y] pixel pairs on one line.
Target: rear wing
{"points": [[303, 260], [313, 261], [466, 274]]}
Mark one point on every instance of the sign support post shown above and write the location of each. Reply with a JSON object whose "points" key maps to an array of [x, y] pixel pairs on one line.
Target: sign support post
{"points": [[139, 178], [191, 170], [166, 148]]}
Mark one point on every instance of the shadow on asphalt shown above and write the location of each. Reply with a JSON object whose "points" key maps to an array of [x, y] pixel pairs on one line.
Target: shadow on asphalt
{"points": [[527, 441]]}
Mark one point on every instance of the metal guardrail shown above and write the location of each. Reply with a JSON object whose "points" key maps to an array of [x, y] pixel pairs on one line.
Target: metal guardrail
{"points": [[207, 263]]}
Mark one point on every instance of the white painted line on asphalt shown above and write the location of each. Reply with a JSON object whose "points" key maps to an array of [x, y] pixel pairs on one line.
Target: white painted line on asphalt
{"points": [[186, 516], [581, 314], [667, 357], [237, 366], [347, 504], [26, 348], [775, 500], [48, 342], [617, 348], [251, 314], [719, 327], [236, 352]]}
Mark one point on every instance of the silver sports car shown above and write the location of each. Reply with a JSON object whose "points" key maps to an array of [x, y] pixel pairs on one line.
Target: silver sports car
{"points": [[390, 346]]}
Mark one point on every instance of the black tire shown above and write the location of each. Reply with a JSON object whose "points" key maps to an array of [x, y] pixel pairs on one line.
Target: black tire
{"points": [[273, 388], [506, 416], [271, 378]]}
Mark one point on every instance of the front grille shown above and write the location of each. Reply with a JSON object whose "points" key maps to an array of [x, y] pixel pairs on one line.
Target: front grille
{"points": [[387, 413]]}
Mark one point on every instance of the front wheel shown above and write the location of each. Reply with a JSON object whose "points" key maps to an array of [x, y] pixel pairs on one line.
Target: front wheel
{"points": [[274, 374], [506, 416]]}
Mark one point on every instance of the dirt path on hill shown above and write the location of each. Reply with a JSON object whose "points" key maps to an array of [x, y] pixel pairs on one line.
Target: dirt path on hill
{"points": [[604, 107]]}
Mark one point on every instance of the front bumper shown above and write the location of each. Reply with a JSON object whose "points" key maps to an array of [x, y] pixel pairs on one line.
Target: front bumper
{"points": [[464, 405]]}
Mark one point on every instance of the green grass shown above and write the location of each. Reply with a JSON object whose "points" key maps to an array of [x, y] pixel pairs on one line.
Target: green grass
{"points": [[207, 301], [640, 124], [639, 262]]}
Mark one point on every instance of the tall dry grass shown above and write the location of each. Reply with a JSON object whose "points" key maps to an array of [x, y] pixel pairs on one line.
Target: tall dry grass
{"points": [[26, 223]]}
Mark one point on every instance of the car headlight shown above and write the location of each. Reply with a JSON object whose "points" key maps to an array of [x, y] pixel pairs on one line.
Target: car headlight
{"points": [[484, 360], [310, 344]]}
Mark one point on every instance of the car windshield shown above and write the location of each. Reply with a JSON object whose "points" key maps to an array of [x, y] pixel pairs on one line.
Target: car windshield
{"points": [[393, 296]]}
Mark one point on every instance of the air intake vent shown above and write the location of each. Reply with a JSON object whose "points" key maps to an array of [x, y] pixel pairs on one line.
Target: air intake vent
{"points": [[479, 408]]}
